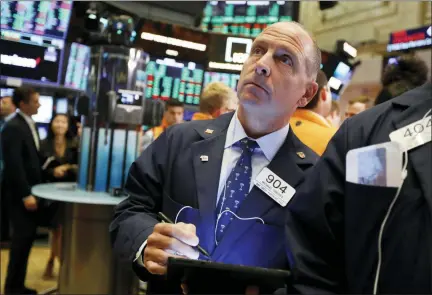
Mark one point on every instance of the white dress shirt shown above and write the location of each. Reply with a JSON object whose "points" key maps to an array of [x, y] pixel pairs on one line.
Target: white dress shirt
{"points": [[32, 126], [262, 156]]}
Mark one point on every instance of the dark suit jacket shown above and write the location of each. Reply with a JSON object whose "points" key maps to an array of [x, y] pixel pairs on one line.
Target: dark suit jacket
{"points": [[22, 167], [333, 225], [170, 175]]}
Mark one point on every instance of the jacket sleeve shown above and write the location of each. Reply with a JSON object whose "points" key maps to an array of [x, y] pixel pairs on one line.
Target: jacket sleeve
{"points": [[12, 145], [135, 218], [314, 228]]}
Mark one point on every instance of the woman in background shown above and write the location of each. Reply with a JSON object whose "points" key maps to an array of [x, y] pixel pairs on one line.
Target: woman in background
{"points": [[60, 149]]}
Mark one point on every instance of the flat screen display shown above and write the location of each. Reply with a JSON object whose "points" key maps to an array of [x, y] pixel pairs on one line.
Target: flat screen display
{"points": [[43, 132], [342, 73], [247, 18], [129, 97], [61, 106], [6, 92], [42, 18], [78, 66], [229, 79], [171, 79], [30, 61], [45, 111]]}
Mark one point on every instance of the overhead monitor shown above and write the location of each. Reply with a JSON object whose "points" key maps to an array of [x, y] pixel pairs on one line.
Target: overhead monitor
{"points": [[228, 53], [343, 73], [410, 39], [78, 66], [45, 110], [30, 61], [158, 38], [6, 92], [40, 18], [229, 79], [172, 79], [338, 72], [61, 106], [247, 18], [32, 39]]}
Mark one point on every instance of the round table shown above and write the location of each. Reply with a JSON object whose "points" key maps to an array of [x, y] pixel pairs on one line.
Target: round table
{"points": [[87, 263]]}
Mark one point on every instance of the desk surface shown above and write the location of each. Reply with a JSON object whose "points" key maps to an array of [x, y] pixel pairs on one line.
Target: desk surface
{"points": [[67, 192]]}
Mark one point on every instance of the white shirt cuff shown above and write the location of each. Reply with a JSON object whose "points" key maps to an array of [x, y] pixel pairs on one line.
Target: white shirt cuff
{"points": [[140, 251]]}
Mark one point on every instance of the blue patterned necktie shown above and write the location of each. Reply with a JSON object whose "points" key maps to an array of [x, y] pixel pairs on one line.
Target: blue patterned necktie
{"points": [[236, 187]]}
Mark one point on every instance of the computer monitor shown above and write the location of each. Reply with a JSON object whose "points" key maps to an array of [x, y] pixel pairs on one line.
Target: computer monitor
{"points": [[78, 66], [169, 78], [61, 106], [32, 39], [43, 132], [45, 111], [6, 92]]}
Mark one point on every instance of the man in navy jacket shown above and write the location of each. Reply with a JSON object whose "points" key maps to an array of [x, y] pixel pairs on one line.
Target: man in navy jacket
{"points": [[201, 174]]}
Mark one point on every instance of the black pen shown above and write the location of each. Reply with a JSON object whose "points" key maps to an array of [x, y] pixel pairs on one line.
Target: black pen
{"points": [[167, 220]]}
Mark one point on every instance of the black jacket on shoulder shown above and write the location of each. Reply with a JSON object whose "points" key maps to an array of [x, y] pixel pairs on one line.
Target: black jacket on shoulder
{"points": [[333, 225]]}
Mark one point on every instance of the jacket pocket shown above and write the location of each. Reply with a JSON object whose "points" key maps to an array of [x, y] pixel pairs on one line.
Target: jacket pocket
{"points": [[180, 213]]}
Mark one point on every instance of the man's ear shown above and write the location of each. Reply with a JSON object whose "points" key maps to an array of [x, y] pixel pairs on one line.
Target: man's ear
{"points": [[323, 94], [311, 90]]}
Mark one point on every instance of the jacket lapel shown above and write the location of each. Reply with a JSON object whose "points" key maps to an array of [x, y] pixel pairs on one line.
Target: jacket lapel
{"points": [[419, 157], [207, 173], [26, 126], [287, 165]]}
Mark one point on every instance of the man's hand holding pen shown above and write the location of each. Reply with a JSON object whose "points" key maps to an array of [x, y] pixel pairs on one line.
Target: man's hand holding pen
{"points": [[169, 240]]}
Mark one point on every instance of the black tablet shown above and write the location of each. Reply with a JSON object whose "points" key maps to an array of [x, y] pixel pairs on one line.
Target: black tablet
{"points": [[204, 277]]}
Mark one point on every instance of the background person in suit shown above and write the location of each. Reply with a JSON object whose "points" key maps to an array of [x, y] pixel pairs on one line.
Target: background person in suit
{"points": [[22, 170], [197, 172], [333, 225]]}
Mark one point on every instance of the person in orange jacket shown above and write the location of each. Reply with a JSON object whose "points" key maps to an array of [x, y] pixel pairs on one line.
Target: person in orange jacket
{"points": [[310, 124], [216, 99], [174, 112]]}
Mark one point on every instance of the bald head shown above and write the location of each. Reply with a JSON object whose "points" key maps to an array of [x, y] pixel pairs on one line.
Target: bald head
{"points": [[310, 47], [278, 76]]}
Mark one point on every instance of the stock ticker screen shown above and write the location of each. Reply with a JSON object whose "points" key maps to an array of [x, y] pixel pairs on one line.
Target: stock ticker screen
{"points": [[168, 78], [247, 18], [227, 78], [43, 18], [78, 66]]}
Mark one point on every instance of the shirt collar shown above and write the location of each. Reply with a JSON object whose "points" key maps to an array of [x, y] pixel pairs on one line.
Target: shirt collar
{"points": [[269, 144]]}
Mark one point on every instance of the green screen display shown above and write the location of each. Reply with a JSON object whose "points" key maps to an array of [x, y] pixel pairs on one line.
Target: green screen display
{"points": [[247, 18]]}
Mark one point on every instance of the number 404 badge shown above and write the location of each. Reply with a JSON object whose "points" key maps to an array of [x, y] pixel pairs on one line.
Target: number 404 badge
{"points": [[275, 187]]}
